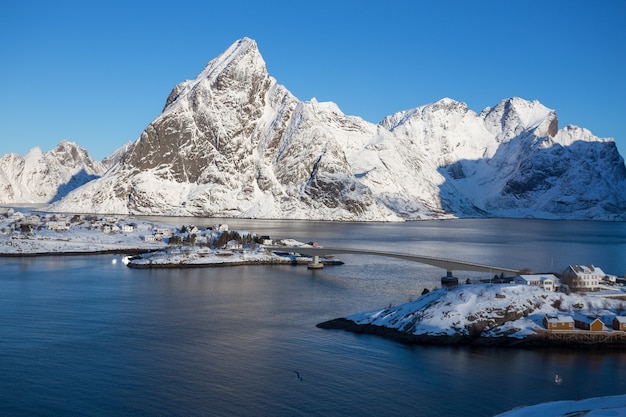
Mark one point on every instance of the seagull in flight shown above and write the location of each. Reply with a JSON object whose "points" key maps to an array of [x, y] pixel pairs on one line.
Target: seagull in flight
{"points": [[298, 377]]}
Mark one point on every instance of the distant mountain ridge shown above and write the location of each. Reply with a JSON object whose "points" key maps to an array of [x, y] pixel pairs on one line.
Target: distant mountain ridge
{"points": [[40, 177], [234, 142]]}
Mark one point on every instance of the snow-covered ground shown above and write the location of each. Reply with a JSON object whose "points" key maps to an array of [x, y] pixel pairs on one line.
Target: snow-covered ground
{"points": [[28, 233], [614, 406], [199, 256], [23, 232], [488, 310]]}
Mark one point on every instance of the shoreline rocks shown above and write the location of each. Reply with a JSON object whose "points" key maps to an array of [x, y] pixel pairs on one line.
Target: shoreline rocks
{"points": [[532, 341]]}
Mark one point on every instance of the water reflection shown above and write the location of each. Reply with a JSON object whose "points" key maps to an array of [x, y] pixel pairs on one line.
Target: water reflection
{"points": [[81, 335]]}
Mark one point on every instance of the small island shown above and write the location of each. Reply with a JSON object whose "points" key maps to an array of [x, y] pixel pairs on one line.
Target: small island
{"points": [[491, 314]]}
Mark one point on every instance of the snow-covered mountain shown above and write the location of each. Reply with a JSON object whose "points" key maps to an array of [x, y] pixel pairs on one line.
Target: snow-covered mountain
{"points": [[234, 142], [42, 177]]}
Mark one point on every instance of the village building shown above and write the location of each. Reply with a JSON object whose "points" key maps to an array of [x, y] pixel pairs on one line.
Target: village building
{"points": [[18, 215], [202, 240], [128, 228], [149, 238], [6, 211], [33, 219], [619, 323], [233, 245], [548, 282], [163, 232], [58, 226], [583, 277], [558, 322], [593, 324]]}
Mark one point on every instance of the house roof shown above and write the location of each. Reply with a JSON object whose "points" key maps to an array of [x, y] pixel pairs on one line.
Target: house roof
{"points": [[538, 277], [584, 318], [560, 319], [586, 269]]}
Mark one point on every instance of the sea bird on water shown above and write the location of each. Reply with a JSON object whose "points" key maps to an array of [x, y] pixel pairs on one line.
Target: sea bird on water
{"points": [[298, 377]]}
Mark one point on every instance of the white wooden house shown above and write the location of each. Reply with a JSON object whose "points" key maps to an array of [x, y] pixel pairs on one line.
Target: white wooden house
{"points": [[583, 277], [164, 232], [220, 227], [548, 282], [6, 211], [33, 219], [233, 245], [58, 226], [18, 215]]}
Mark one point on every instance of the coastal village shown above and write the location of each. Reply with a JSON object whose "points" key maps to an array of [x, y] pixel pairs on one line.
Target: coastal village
{"points": [[151, 244], [158, 245]]}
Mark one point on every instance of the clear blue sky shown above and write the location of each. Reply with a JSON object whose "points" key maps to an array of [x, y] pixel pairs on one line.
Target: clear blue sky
{"points": [[97, 73]]}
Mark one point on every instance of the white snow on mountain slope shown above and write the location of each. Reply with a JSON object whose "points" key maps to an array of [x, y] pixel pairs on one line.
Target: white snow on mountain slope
{"points": [[234, 142], [42, 177]]}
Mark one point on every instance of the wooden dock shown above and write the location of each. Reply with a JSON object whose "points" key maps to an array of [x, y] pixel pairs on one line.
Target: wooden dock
{"points": [[582, 336]]}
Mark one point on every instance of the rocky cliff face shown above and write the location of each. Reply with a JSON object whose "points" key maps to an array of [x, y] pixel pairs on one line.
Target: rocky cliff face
{"points": [[42, 177], [233, 142]]}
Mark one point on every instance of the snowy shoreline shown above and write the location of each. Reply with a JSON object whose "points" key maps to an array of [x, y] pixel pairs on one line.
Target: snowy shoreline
{"points": [[120, 251], [491, 315], [147, 244], [220, 261], [530, 341], [590, 407]]}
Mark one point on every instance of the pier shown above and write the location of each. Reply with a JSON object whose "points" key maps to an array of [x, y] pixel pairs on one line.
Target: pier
{"points": [[582, 336]]}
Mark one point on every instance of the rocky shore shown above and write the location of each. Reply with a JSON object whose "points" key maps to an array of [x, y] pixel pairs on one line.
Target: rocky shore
{"points": [[531, 341], [493, 315]]}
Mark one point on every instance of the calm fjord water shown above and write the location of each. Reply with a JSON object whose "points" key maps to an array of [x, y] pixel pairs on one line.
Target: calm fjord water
{"points": [[84, 336]]}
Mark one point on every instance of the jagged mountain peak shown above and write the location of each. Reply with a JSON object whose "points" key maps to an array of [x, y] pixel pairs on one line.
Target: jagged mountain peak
{"points": [[442, 108], [41, 177], [33, 153], [514, 115], [232, 55], [70, 153], [233, 142], [240, 63]]}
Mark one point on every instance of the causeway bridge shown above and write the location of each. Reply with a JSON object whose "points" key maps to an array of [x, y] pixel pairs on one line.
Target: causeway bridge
{"points": [[448, 264]]}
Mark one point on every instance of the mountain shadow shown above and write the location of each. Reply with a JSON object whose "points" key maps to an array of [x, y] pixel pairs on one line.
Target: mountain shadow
{"points": [[536, 178], [77, 180]]}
